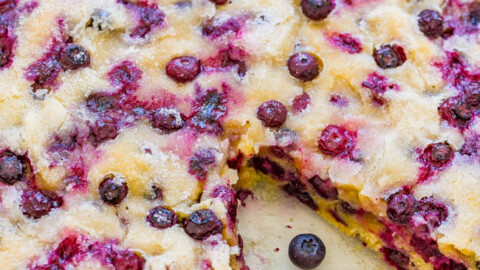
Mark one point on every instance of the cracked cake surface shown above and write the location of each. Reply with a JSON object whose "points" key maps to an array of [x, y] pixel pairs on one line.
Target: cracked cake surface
{"points": [[129, 128]]}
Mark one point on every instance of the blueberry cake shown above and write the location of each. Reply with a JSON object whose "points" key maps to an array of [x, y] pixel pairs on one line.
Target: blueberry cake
{"points": [[129, 128]]}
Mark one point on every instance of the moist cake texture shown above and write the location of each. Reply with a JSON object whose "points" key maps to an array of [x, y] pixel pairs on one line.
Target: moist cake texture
{"points": [[126, 127]]}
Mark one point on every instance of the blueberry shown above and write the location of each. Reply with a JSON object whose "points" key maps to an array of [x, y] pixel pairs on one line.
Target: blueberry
{"points": [[430, 23], [6, 50], [317, 9], [441, 153], [168, 120], [12, 168], [297, 189], [209, 110], [183, 69], [336, 141], [396, 258], [401, 207], [101, 102], [201, 161], [161, 217], [475, 13], [324, 188], [36, 204], [303, 66], [74, 56], [104, 129], [272, 113], [306, 251], [456, 112], [112, 190], [462, 111], [201, 224], [432, 210], [389, 56]]}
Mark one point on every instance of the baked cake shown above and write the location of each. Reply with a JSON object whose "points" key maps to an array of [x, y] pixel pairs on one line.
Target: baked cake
{"points": [[127, 126]]}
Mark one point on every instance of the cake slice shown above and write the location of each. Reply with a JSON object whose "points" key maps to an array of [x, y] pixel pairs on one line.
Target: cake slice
{"points": [[382, 140], [111, 155]]}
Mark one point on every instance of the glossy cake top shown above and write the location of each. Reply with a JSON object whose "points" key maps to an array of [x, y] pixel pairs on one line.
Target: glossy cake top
{"points": [[118, 119]]}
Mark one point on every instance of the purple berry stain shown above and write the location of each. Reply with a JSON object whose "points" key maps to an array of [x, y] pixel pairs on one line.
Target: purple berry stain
{"points": [[345, 42], [215, 28], [201, 162], [44, 72], [229, 199], [301, 102], [339, 100], [125, 76], [8, 18], [209, 109], [378, 85], [74, 248], [459, 111], [148, 16], [230, 58]]}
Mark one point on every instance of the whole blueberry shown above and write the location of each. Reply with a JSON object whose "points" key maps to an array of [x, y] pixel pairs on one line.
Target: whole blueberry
{"points": [[36, 204], [317, 9], [112, 190], [201, 224], [441, 153], [12, 168], [168, 119], [401, 207], [161, 217], [430, 23], [303, 66], [183, 69], [306, 251], [103, 129], [74, 56], [389, 56], [336, 141], [101, 102], [272, 113]]}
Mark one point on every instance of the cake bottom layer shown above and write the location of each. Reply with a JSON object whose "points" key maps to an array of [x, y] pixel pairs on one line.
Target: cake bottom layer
{"points": [[400, 246]]}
